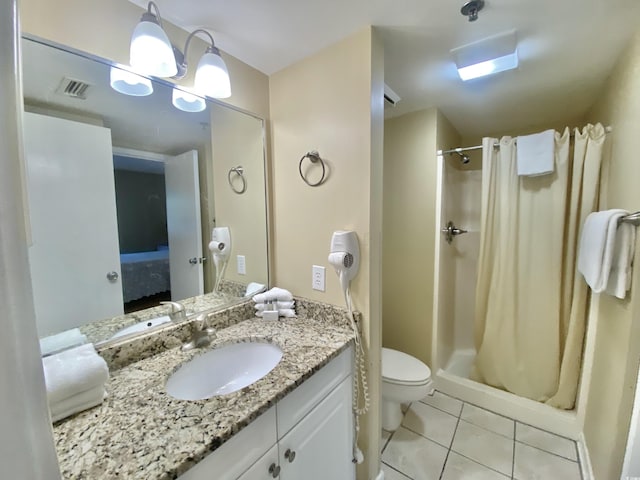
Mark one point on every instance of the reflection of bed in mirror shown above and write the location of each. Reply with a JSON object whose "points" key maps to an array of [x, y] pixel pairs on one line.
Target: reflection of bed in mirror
{"points": [[144, 274]]}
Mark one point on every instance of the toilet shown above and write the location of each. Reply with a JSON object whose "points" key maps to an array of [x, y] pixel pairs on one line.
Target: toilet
{"points": [[405, 379]]}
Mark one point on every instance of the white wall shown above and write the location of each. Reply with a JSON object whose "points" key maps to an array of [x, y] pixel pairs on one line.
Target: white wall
{"points": [[26, 442]]}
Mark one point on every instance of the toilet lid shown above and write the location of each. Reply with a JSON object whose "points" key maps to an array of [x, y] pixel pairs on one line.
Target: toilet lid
{"points": [[398, 367]]}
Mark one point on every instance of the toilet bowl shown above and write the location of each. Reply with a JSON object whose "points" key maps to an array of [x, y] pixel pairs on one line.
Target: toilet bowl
{"points": [[404, 379]]}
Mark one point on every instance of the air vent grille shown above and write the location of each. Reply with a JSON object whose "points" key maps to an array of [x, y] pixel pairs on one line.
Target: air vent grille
{"points": [[71, 87]]}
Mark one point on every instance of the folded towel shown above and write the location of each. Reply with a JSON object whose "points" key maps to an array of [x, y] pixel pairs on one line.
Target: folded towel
{"points": [[276, 305], [62, 341], [620, 275], [536, 154], [254, 288], [275, 294], [73, 371], [77, 403], [595, 251]]}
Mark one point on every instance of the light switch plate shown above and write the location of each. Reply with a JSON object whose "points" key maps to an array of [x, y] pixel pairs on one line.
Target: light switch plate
{"points": [[241, 265], [317, 279]]}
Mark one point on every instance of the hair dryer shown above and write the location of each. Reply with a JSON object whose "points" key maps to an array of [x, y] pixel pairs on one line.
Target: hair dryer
{"points": [[220, 246], [345, 257]]}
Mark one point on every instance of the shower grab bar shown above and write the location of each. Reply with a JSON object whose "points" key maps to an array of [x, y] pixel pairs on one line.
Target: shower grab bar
{"points": [[632, 218]]}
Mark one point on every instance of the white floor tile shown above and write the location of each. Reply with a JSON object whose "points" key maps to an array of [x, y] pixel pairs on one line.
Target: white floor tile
{"points": [[483, 446], [461, 468], [384, 438], [546, 441], [489, 420], [444, 402], [534, 464], [391, 474], [414, 455], [430, 422]]}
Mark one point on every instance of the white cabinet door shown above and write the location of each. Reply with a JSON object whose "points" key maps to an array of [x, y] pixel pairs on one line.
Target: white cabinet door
{"points": [[184, 225], [320, 446], [72, 210], [265, 468]]}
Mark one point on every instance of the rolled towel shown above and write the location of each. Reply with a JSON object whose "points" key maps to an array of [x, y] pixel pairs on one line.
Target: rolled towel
{"points": [[77, 403], [61, 341], [597, 243], [275, 294], [73, 371], [277, 305]]}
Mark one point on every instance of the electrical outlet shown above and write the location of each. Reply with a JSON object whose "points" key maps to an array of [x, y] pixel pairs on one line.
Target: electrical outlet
{"points": [[317, 279], [241, 265]]}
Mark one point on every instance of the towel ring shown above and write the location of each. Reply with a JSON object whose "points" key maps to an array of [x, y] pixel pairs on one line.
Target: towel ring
{"points": [[239, 171], [315, 158]]}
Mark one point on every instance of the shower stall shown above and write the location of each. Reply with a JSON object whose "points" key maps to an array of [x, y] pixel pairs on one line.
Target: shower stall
{"points": [[457, 230]]}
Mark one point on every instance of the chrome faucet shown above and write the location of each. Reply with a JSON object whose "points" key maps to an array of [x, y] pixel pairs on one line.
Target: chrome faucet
{"points": [[201, 333], [177, 312]]}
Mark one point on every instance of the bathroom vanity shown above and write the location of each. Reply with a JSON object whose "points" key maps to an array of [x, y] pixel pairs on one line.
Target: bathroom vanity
{"points": [[293, 423]]}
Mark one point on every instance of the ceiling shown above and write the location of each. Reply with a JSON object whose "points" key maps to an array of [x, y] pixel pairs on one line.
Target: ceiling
{"points": [[566, 49]]}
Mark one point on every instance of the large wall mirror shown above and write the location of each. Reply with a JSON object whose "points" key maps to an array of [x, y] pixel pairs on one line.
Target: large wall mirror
{"points": [[124, 191]]}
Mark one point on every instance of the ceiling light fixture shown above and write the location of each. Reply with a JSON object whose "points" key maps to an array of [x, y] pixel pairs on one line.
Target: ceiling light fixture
{"points": [[488, 56], [187, 102], [151, 51], [212, 75], [129, 83]]}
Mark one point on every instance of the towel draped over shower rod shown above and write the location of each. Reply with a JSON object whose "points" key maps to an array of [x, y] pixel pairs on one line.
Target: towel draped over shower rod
{"points": [[479, 147]]}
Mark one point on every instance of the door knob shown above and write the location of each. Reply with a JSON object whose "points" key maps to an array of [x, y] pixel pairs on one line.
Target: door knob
{"points": [[193, 261], [112, 277]]}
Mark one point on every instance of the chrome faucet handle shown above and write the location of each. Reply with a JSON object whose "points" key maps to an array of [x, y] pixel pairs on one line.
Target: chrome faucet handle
{"points": [[201, 334], [177, 311]]}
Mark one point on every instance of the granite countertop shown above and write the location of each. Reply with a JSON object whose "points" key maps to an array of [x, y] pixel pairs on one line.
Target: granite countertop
{"points": [[141, 432]]}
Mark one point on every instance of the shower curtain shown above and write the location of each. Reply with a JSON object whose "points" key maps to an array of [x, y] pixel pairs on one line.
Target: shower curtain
{"points": [[531, 303]]}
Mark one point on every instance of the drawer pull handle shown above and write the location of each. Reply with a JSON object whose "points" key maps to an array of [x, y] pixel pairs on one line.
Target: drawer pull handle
{"points": [[290, 455], [274, 470]]}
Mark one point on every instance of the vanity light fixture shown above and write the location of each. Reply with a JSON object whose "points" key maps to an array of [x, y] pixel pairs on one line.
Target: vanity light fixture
{"points": [[151, 51], [488, 56], [129, 83], [187, 102], [212, 75]]}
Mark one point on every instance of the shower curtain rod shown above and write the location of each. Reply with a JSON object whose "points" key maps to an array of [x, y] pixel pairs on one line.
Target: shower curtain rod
{"points": [[479, 147]]}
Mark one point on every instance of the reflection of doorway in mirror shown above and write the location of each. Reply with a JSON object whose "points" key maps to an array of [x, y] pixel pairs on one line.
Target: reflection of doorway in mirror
{"points": [[158, 201]]}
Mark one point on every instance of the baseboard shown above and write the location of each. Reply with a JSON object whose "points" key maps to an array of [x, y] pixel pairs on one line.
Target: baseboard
{"points": [[585, 461]]}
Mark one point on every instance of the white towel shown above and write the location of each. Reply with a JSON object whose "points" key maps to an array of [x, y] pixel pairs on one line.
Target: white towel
{"points": [[283, 312], [73, 371], [77, 403], [275, 294], [536, 154], [62, 341], [276, 305], [254, 288], [620, 275], [597, 242]]}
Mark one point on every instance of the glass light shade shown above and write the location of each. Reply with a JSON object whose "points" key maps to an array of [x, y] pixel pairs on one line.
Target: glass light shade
{"points": [[506, 62], [212, 76], [129, 83], [187, 102], [151, 52]]}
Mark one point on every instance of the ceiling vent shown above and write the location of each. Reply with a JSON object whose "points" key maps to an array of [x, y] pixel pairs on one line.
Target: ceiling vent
{"points": [[70, 87], [390, 97]]}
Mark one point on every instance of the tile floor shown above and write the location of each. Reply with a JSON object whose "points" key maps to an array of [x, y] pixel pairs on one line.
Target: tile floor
{"points": [[443, 438]]}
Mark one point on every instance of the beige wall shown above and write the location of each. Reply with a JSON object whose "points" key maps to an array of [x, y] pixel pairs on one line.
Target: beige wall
{"points": [[238, 139], [104, 28], [324, 103], [410, 171], [617, 344]]}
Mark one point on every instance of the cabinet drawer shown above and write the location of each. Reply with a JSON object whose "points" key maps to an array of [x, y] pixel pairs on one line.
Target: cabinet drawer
{"points": [[240, 452], [292, 408]]}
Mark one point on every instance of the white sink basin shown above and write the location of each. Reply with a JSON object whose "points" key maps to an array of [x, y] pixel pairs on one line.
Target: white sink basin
{"points": [[223, 370], [141, 326]]}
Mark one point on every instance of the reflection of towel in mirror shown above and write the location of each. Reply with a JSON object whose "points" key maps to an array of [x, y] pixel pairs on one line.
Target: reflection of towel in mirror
{"points": [[254, 288], [62, 341], [77, 403], [274, 295], [277, 305], [73, 371]]}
